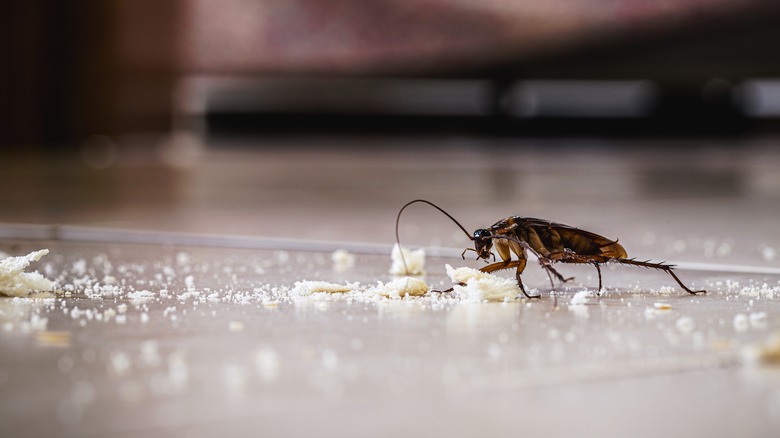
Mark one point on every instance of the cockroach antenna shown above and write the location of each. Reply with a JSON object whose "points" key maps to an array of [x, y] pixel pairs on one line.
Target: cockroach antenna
{"points": [[398, 219]]}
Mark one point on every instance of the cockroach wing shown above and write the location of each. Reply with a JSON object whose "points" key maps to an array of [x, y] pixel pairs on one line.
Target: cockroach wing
{"points": [[580, 241]]}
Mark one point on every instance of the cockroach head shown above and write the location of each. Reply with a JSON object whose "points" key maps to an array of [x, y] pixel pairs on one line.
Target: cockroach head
{"points": [[483, 242]]}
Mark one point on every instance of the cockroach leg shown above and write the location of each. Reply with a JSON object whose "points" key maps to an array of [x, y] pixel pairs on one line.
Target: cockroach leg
{"points": [[669, 269], [463, 254], [692, 292], [547, 265], [549, 276], [598, 269], [522, 288], [509, 264], [444, 291]]}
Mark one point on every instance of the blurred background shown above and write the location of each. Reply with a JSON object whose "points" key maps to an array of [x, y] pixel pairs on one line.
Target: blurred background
{"points": [[124, 67], [257, 116]]}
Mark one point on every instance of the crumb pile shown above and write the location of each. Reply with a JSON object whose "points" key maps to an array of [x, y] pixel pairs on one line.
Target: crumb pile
{"points": [[475, 285], [402, 287], [14, 282], [306, 287]]}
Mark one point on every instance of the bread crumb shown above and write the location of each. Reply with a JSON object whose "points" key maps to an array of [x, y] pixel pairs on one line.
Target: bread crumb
{"points": [[741, 322], [402, 287], [141, 296], [662, 306], [306, 287], [53, 338], [415, 261], [685, 324], [342, 260], [758, 319], [767, 352], [475, 285], [14, 282], [581, 298]]}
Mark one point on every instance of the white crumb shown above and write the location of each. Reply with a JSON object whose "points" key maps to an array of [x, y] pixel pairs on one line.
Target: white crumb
{"points": [[402, 287], [481, 286], [741, 322], [581, 298], [14, 282], [758, 319], [415, 261], [306, 287], [685, 324], [342, 260], [267, 364], [141, 296], [767, 352], [182, 258], [659, 308]]}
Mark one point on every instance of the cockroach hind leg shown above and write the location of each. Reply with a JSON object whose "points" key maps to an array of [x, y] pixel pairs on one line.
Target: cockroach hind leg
{"points": [[669, 269], [601, 286], [546, 265], [677, 279], [445, 291], [530, 297]]}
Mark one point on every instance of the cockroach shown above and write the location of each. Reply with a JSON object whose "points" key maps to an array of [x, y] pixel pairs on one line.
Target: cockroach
{"points": [[550, 242]]}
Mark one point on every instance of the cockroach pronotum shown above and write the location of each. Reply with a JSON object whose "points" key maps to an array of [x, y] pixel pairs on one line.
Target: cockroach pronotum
{"points": [[550, 242]]}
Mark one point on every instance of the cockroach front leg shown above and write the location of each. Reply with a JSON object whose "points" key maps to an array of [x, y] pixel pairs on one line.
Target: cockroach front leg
{"points": [[509, 264]]}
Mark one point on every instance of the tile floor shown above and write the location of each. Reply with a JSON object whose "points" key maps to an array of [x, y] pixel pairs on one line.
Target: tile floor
{"points": [[177, 315]]}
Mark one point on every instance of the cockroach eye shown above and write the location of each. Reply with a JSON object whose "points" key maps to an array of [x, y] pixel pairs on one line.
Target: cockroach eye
{"points": [[482, 234]]}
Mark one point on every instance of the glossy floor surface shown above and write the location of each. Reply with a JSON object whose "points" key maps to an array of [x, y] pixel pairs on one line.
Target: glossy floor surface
{"points": [[178, 313]]}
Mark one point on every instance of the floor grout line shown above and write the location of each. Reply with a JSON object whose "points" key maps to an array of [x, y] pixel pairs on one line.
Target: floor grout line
{"points": [[75, 233]]}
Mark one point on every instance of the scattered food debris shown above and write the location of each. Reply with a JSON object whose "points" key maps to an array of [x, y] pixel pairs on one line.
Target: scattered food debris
{"points": [[236, 326], [741, 322], [659, 308], [402, 287], [766, 353], [415, 261], [342, 260], [306, 287], [581, 298], [14, 282], [685, 324], [53, 338], [475, 285]]}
